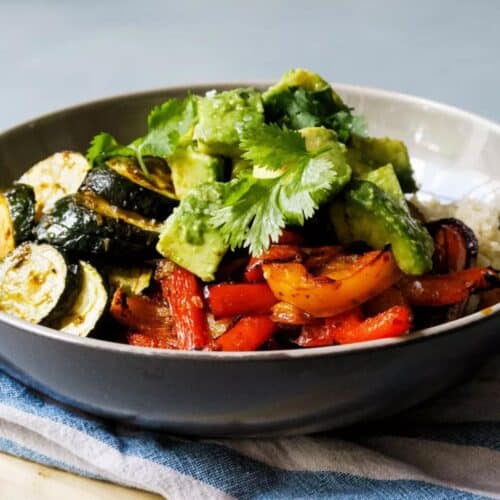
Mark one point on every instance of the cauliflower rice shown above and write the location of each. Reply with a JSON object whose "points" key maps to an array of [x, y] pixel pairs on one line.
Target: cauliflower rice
{"points": [[481, 216]]}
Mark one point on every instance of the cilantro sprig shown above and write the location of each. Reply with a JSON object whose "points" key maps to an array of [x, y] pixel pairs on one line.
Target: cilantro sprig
{"points": [[167, 124], [254, 210]]}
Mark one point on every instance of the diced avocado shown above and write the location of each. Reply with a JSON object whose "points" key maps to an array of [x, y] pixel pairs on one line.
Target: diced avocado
{"points": [[222, 117], [367, 153], [187, 237], [304, 79], [339, 221], [190, 168], [319, 137], [386, 179], [375, 218]]}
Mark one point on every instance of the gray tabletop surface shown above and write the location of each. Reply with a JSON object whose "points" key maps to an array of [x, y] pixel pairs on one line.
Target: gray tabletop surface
{"points": [[54, 53]]}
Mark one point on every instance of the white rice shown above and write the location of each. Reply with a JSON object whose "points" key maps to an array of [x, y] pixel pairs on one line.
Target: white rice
{"points": [[483, 217]]}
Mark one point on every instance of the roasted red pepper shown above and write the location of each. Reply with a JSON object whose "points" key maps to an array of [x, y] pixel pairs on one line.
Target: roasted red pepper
{"points": [[288, 314], [227, 300], [138, 312], [393, 296], [324, 333], [153, 337], [184, 294], [349, 327], [276, 253], [443, 290], [394, 322], [289, 237], [247, 335]]}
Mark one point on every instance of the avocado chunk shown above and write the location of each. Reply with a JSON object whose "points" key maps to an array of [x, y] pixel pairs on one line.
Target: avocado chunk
{"points": [[375, 218], [386, 179], [303, 79], [191, 168], [188, 239], [383, 177], [303, 99], [222, 117], [365, 154]]}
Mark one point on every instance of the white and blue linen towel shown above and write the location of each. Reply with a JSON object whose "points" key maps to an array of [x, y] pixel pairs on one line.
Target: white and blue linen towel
{"points": [[446, 448]]}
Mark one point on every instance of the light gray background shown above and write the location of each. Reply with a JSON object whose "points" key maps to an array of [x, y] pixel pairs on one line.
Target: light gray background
{"points": [[56, 53]]}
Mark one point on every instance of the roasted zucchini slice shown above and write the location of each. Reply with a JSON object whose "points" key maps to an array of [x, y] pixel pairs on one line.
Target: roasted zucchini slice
{"points": [[87, 225], [159, 179], [56, 176], [125, 193], [17, 217], [133, 280], [37, 283], [89, 306], [8, 242]]}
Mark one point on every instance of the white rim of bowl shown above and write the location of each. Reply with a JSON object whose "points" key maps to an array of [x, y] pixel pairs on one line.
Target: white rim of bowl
{"points": [[107, 345]]}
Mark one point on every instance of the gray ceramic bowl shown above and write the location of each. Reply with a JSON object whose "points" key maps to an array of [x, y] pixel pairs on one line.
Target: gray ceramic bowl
{"points": [[260, 393]]}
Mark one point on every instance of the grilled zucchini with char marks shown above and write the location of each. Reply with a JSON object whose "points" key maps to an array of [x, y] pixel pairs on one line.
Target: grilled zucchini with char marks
{"points": [[86, 224], [89, 306], [37, 283], [56, 176], [131, 191], [17, 217]]}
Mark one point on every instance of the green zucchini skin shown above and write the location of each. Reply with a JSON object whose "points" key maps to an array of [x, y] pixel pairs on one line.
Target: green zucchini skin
{"points": [[71, 291], [89, 307], [124, 193], [75, 228], [21, 200]]}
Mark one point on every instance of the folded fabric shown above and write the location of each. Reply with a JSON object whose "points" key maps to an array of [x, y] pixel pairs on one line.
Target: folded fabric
{"points": [[449, 447]]}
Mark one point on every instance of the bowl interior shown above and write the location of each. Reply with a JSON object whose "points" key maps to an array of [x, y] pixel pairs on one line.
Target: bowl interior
{"points": [[454, 153]]}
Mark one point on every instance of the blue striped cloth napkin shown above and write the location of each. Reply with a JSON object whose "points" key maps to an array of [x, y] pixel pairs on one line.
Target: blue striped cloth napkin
{"points": [[449, 447]]}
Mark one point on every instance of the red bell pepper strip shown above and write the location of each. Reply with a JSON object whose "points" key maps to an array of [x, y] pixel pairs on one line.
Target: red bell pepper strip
{"points": [[139, 312], [276, 253], [186, 302], [447, 289], [393, 296], [227, 299], [394, 322], [287, 314], [247, 334], [289, 237], [349, 327], [324, 333], [153, 337]]}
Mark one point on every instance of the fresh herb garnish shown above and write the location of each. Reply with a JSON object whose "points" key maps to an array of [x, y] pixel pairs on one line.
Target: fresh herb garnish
{"points": [[167, 124], [298, 108], [255, 210]]}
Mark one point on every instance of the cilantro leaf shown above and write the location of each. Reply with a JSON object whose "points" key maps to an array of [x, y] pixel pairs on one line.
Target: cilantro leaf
{"points": [[249, 215], [297, 108], [271, 146], [167, 124], [104, 146], [254, 211]]}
